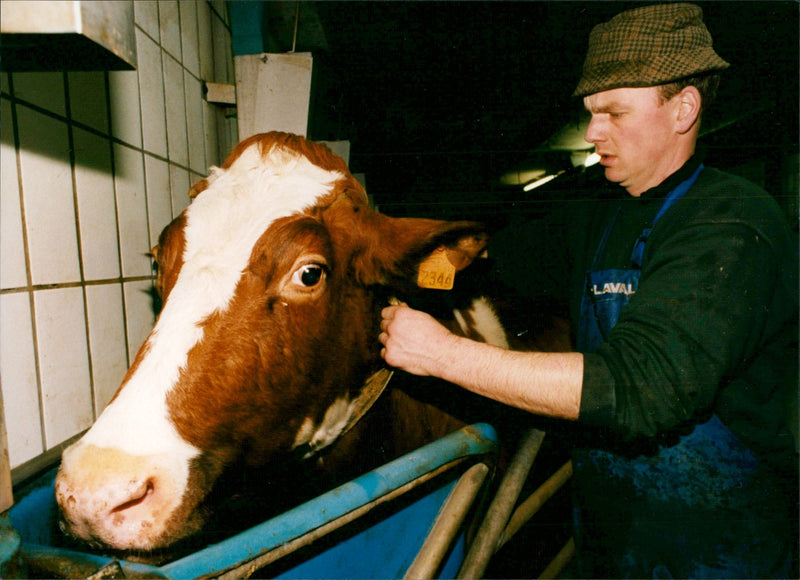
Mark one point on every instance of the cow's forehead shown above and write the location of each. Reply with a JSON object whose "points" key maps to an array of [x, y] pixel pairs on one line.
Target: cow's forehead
{"points": [[221, 227], [224, 223], [240, 203]]}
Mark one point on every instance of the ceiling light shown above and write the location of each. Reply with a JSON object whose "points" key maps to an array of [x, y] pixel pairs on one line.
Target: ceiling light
{"points": [[542, 181], [591, 159], [521, 175]]}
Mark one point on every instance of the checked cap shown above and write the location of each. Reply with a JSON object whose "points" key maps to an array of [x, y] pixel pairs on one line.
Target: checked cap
{"points": [[648, 46]]}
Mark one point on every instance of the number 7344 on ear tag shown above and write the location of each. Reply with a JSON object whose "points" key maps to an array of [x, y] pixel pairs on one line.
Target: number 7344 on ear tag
{"points": [[436, 271]]}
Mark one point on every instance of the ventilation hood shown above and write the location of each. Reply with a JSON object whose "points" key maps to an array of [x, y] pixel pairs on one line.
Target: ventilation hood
{"points": [[67, 35]]}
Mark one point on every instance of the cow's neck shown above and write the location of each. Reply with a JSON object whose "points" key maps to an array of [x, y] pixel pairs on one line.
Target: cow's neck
{"points": [[373, 388], [341, 417]]}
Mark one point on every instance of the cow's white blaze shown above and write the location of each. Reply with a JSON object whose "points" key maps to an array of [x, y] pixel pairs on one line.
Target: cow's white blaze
{"points": [[222, 226]]}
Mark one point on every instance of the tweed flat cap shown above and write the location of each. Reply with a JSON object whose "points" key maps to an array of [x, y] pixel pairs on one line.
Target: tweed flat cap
{"points": [[648, 46]]}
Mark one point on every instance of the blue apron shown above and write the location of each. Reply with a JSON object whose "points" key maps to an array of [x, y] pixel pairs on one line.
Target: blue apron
{"points": [[695, 509]]}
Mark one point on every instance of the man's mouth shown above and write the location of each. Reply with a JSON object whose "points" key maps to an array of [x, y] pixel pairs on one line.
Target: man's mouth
{"points": [[606, 159]]}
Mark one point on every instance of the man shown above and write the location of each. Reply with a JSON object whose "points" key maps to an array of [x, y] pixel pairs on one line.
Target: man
{"points": [[683, 298]]}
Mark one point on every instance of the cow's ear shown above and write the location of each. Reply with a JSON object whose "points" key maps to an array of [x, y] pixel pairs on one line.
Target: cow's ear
{"points": [[393, 249], [203, 184], [437, 269], [468, 245]]}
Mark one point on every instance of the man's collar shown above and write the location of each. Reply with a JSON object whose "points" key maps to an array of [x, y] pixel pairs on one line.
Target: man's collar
{"points": [[679, 176]]}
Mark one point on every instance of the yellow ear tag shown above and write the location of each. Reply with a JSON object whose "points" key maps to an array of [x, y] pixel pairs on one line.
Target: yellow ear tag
{"points": [[436, 271]]}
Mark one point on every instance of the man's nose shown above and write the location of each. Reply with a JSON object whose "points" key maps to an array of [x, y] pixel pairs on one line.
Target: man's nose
{"points": [[594, 132]]}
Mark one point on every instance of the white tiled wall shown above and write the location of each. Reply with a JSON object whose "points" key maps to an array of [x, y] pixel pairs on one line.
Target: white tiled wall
{"points": [[94, 165]]}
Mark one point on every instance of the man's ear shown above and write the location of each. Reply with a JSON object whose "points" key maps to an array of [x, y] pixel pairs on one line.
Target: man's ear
{"points": [[689, 106]]}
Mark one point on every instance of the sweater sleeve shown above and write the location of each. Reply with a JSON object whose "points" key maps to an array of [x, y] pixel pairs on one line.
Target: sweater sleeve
{"points": [[699, 314]]}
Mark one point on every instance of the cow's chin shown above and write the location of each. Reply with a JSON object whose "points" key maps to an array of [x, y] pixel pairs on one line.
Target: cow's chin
{"points": [[142, 546]]}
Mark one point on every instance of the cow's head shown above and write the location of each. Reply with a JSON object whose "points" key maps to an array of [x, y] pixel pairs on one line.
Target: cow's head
{"points": [[272, 281]]}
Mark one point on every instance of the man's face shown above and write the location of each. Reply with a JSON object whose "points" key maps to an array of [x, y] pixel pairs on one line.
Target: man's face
{"points": [[635, 136]]}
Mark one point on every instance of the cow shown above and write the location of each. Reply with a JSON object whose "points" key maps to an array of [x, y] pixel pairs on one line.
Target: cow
{"points": [[272, 282]]}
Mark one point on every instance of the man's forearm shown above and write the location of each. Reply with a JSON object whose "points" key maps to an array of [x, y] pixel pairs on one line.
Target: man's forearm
{"points": [[542, 383]]}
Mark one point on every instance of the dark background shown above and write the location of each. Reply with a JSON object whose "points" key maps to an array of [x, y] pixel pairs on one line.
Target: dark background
{"points": [[439, 99]]}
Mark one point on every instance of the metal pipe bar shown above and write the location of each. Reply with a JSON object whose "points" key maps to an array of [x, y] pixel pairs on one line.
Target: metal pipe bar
{"points": [[535, 501], [486, 540], [561, 560], [447, 523], [247, 569]]}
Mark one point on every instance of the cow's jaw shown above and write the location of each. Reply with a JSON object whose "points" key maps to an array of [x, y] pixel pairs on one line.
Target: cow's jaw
{"points": [[130, 482]]}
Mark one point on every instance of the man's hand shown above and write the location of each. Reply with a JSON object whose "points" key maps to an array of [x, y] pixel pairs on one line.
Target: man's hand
{"points": [[413, 341]]}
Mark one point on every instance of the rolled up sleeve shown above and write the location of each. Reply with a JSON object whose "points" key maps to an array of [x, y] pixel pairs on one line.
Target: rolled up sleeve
{"points": [[699, 314]]}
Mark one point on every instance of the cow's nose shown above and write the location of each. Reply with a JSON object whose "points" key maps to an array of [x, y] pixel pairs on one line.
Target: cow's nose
{"points": [[137, 497], [107, 513], [110, 498], [107, 499]]}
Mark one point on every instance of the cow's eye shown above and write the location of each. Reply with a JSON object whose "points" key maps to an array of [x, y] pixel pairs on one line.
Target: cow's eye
{"points": [[309, 275]]}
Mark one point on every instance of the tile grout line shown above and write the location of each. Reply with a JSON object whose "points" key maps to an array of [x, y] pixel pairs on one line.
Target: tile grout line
{"points": [[89, 129], [113, 165], [75, 284], [79, 237], [28, 272]]}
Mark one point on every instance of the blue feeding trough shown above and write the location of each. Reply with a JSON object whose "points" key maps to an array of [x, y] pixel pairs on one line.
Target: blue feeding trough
{"points": [[406, 518]]}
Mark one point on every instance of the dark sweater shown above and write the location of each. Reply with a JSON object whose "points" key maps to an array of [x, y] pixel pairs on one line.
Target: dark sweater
{"points": [[713, 326]]}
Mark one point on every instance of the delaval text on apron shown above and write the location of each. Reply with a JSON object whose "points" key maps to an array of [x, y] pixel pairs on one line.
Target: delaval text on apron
{"points": [[607, 291], [685, 511]]}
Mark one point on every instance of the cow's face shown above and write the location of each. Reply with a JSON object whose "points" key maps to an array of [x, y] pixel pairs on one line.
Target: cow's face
{"points": [[267, 332]]}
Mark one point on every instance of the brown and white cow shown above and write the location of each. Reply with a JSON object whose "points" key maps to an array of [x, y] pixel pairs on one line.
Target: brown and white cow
{"points": [[272, 283]]}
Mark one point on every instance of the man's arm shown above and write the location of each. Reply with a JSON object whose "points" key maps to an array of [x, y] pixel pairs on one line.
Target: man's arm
{"points": [[543, 383]]}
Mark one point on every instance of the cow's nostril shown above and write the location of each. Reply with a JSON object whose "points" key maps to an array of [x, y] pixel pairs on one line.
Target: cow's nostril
{"points": [[138, 497]]}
